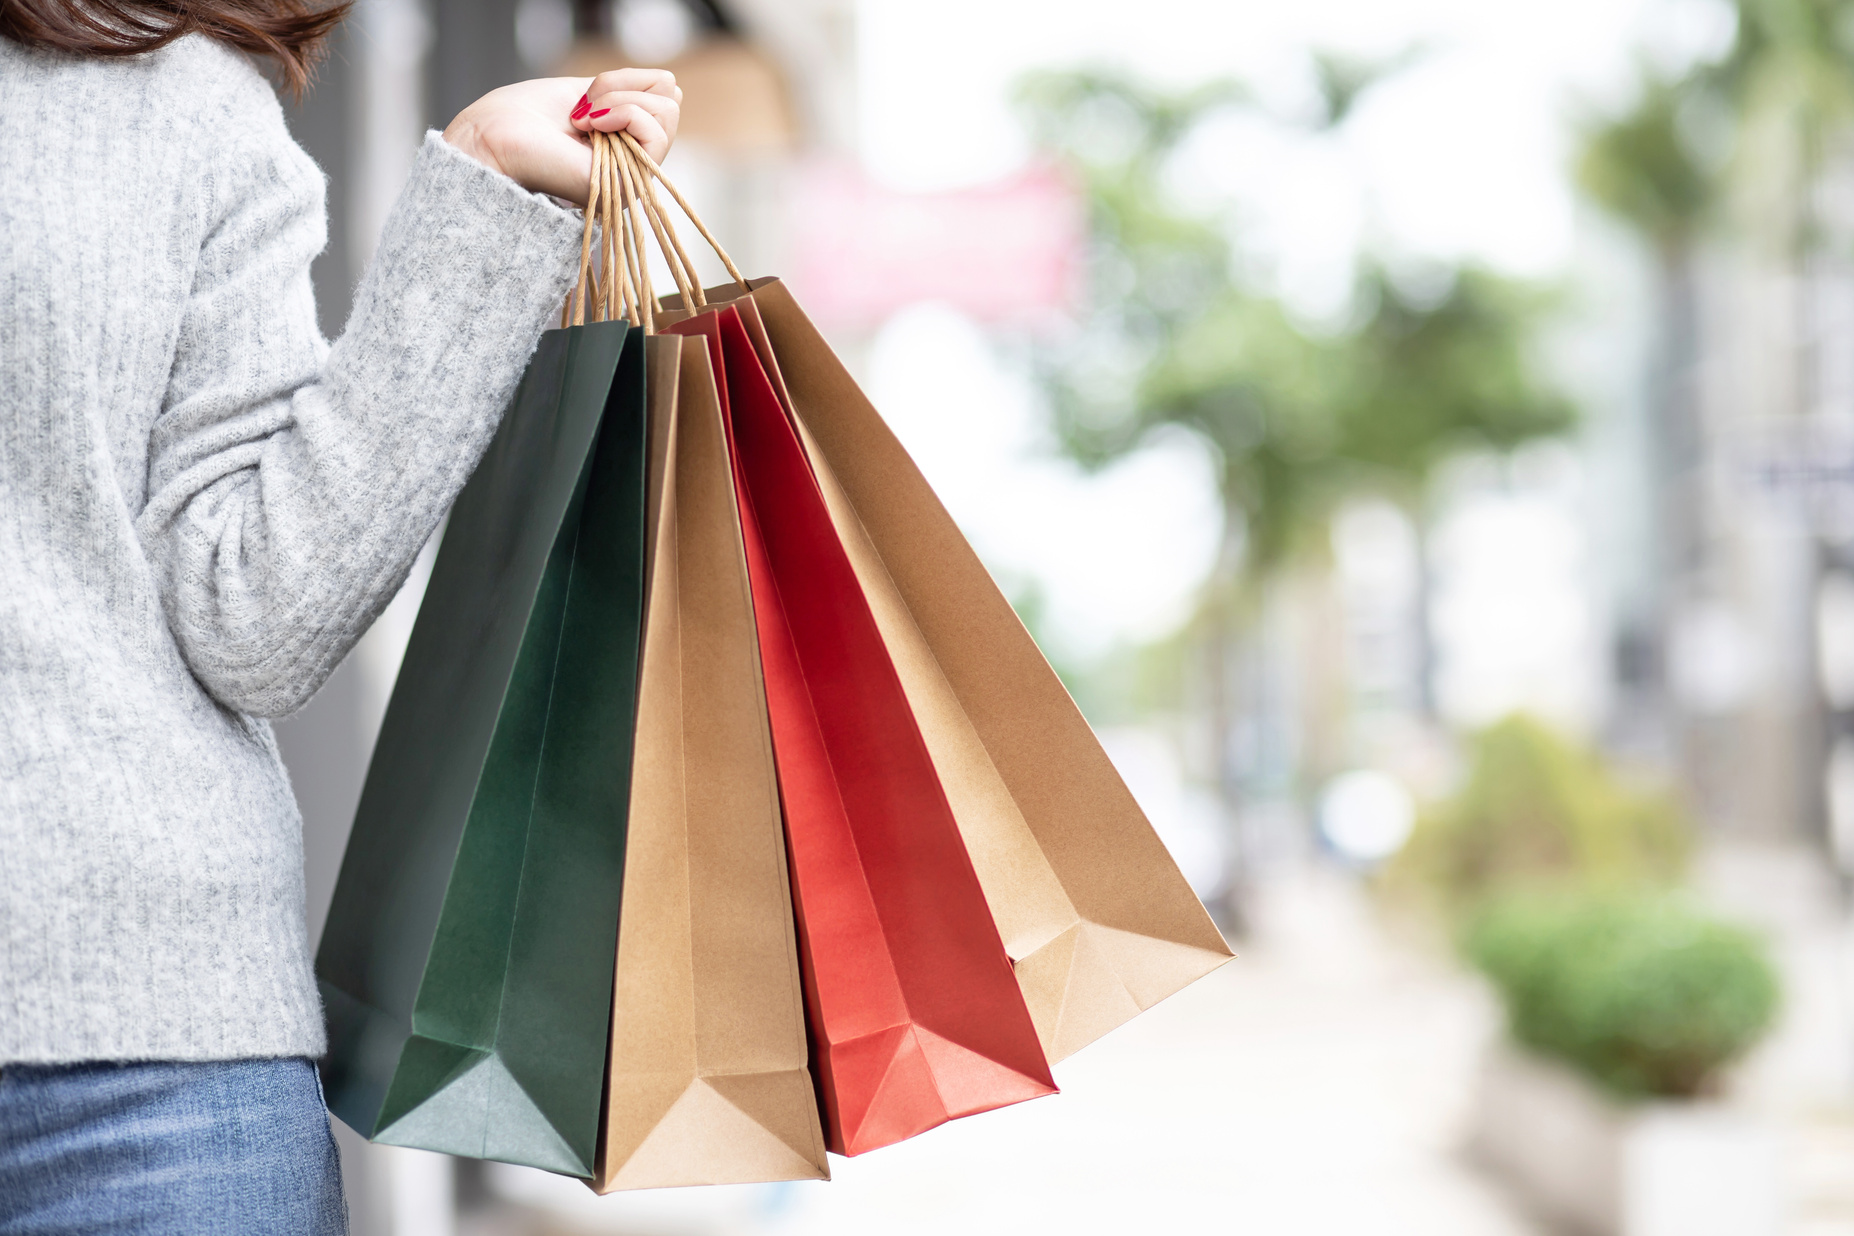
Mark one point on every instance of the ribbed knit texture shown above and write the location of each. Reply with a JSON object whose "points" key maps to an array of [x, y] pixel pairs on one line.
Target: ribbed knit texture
{"points": [[202, 507]]}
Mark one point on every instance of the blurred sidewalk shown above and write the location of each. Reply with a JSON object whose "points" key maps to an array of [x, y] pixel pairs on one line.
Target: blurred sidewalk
{"points": [[1316, 1085]]}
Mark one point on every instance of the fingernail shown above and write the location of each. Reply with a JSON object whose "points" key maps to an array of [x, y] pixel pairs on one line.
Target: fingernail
{"points": [[598, 113], [579, 109]]}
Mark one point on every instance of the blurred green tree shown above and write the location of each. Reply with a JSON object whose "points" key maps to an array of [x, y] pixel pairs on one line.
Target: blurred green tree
{"points": [[1762, 116], [1760, 123], [1760, 120], [1789, 77], [1172, 336], [1648, 166], [1299, 419]]}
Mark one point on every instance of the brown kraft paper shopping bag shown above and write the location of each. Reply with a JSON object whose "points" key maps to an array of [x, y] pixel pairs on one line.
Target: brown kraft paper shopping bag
{"points": [[1095, 915], [708, 1081]]}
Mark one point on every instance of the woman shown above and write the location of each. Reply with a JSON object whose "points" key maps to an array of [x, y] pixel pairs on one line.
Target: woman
{"points": [[202, 507]]}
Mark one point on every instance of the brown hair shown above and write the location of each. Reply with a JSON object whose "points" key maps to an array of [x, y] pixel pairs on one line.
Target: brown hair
{"points": [[290, 32]]}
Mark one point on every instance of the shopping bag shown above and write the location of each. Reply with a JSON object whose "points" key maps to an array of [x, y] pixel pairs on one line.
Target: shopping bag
{"points": [[915, 1015], [1093, 910], [1095, 914], [708, 1081], [467, 964]]}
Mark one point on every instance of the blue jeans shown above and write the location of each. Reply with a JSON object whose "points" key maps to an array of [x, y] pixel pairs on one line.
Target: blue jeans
{"points": [[230, 1148]]}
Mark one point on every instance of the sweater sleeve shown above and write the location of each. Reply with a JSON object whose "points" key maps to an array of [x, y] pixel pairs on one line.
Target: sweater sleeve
{"points": [[291, 484]]}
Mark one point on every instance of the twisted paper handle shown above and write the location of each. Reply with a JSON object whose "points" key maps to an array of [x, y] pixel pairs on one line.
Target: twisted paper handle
{"points": [[673, 252], [620, 203], [616, 285]]}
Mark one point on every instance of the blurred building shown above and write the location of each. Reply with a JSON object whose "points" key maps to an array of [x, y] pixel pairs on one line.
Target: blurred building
{"points": [[1735, 624]]}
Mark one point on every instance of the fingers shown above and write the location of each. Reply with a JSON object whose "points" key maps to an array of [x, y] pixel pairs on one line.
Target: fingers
{"points": [[650, 118], [660, 82], [666, 110], [654, 88], [647, 103], [640, 123]]}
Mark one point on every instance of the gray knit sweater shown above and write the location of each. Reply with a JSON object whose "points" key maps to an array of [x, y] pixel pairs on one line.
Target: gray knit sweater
{"points": [[202, 507]]}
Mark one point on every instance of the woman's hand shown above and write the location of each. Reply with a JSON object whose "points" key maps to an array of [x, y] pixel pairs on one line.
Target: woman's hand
{"points": [[534, 132]]}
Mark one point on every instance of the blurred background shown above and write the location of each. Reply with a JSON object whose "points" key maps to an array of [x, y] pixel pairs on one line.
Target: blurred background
{"points": [[1421, 432]]}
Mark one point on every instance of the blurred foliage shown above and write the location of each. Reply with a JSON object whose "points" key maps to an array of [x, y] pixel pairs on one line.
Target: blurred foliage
{"points": [[1647, 167], [1643, 993], [1764, 111], [1343, 79], [1428, 362], [1538, 809], [1792, 59]]}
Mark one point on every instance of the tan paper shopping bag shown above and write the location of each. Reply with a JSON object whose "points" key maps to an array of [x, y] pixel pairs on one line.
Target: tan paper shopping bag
{"points": [[1094, 913], [708, 1082]]}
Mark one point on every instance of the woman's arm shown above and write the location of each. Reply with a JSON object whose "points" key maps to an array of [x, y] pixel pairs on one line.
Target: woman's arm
{"points": [[291, 484]]}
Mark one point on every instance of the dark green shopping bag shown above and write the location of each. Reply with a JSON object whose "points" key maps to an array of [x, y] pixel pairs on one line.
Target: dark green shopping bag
{"points": [[467, 963]]}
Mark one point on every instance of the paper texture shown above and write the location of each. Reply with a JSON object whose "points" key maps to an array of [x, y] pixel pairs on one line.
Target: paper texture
{"points": [[708, 1081], [1093, 911], [467, 962], [916, 1017]]}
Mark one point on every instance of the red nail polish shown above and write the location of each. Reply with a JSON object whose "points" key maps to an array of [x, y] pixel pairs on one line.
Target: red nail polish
{"points": [[598, 113], [579, 109]]}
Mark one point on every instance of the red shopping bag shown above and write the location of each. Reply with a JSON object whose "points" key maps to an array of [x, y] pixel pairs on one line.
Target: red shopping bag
{"points": [[915, 1015]]}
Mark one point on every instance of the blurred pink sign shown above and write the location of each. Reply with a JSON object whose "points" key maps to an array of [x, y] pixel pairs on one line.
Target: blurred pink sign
{"points": [[1004, 252]]}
